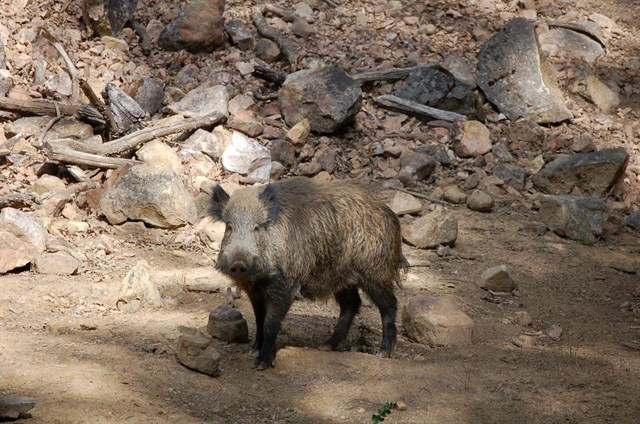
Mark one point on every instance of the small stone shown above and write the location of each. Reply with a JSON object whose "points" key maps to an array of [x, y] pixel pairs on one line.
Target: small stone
{"points": [[267, 50], [24, 227], [245, 122], [471, 138], [245, 155], [480, 201], [432, 230], [404, 203], [328, 159], [524, 341], [430, 29], [277, 170], [596, 91], [226, 323], [523, 318], [47, 184], [401, 405], [554, 332], [59, 263], [633, 220], [14, 253], [299, 133], [283, 152], [157, 153], [415, 167], [535, 165], [12, 407], [240, 36], [201, 102], [138, 288], [74, 227], [208, 143], [308, 169], [198, 353], [198, 28], [113, 43], [149, 93], [583, 144], [239, 103], [437, 321], [322, 177], [512, 175], [453, 194], [497, 279], [301, 28], [438, 151]]}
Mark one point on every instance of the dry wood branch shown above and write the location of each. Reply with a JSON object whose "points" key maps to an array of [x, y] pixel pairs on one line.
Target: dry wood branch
{"points": [[61, 152], [391, 74], [422, 111], [18, 200], [291, 51], [38, 107], [71, 68], [285, 14], [50, 124], [134, 140], [111, 125], [422, 196]]}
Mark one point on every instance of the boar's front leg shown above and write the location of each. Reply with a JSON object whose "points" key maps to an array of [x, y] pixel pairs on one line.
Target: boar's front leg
{"points": [[257, 301], [278, 300]]}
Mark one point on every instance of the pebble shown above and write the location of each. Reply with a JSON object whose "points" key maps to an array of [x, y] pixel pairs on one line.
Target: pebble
{"points": [[480, 201]]}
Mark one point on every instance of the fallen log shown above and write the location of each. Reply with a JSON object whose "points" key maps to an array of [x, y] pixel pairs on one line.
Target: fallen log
{"points": [[38, 107], [59, 151], [407, 106]]}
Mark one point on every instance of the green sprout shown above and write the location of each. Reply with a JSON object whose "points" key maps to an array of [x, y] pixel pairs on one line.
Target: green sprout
{"points": [[383, 411]]}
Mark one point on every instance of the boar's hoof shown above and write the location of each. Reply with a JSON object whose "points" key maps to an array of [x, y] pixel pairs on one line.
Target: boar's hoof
{"points": [[261, 365], [384, 354]]}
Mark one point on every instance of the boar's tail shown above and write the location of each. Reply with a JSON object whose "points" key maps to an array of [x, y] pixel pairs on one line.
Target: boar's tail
{"points": [[403, 269]]}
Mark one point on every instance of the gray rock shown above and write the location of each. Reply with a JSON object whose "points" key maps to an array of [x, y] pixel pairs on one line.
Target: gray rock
{"points": [[328, 159], [58, 263], [244, 155], [434, 86], [151, 194], [267, 50], [415, 166], [198, 28], [240, 102], [497, 279], [516, 79], [438, 151], [240, 36], [245, 122], [471, 138], [327, 97], [432, 230], [502, 153], [480, 201], [197, 352], [576, 217], [453, 194], [512, 175], [201, 102], [277, 170], [226, 323], [583, 144], [149, 94], [308, 169], [594, 173], [283, 152], [11, 407], [138, 289], [404, 203], [460, 69], [32, 126], [633, 220], [564, 42], [208, 143], [187, 78], [437, 322]]}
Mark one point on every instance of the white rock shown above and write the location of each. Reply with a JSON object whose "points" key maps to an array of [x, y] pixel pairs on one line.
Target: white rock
{"points": [[202, 101], [242, 152]]}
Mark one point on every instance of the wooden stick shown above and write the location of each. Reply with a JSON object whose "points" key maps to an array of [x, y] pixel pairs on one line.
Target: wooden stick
{"points": [[111, 127], [132, 141], [61, 152], [291, 51], [284, 13], [422, 111], [422, 196], [390, 74], [50, 124], [38, 107], [71, 69]]}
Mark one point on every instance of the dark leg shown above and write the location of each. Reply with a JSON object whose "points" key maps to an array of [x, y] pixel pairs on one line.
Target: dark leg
{"points": [[257, 301], [278, 301], [387, 303], [349, 301]]}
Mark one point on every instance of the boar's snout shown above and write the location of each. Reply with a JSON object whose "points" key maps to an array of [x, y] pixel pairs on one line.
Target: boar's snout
{"points": [[239, 269], [239, 266]]}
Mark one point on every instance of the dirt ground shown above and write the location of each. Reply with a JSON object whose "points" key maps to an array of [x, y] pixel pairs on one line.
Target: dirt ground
{"points": [[63, 342], [125, 370]]}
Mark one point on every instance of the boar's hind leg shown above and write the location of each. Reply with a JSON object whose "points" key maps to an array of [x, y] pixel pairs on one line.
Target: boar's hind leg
{"points": [[278, 301], [257, 301], [349, 301], [383, 297]]}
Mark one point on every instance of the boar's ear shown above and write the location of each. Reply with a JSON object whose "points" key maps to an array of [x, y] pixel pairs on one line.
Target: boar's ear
{"points": [[269, 197], [219, 199]]}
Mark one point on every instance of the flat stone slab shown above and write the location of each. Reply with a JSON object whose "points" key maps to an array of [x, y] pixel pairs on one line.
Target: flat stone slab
{"points": [[514, 77]]}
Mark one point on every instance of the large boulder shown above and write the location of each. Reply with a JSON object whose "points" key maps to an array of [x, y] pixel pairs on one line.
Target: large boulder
{"points": [[515, 78], [327, 97], [151, 194], [594, 173]]}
